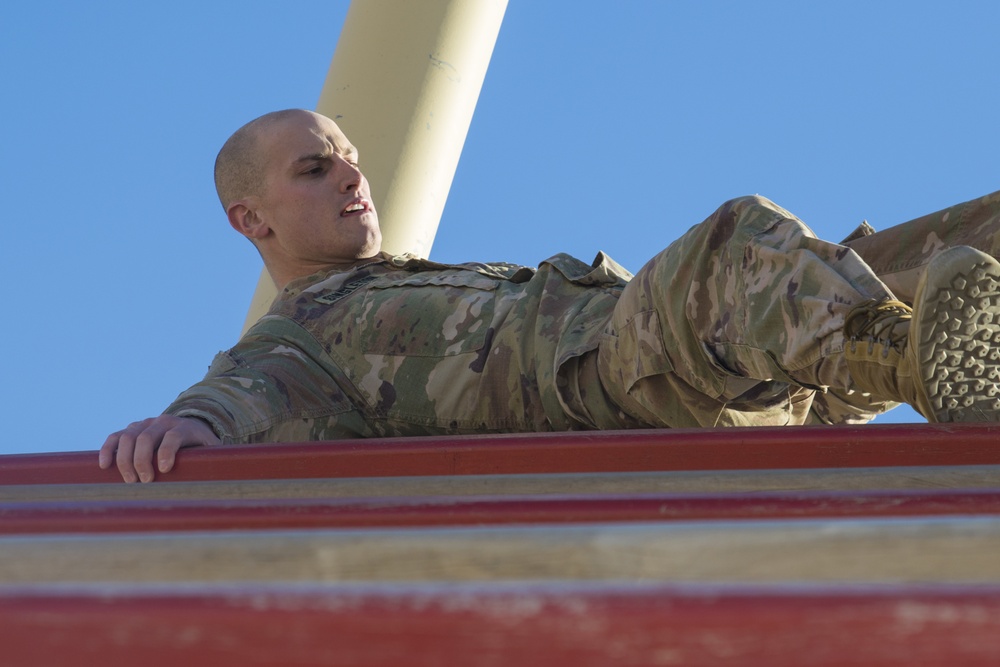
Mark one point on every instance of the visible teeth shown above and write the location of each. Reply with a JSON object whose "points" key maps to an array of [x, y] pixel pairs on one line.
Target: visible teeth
{"points": [[354, 207]]}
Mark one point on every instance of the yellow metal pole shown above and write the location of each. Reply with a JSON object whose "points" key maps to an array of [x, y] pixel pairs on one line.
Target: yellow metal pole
{"points": [[403, 85]]}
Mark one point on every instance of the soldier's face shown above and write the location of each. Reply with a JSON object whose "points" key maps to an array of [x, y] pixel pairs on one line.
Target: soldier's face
{"points": [[315, 199]]}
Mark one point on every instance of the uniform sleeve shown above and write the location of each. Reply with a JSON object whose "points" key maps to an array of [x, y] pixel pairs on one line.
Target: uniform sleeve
{"points": [[273, 386]]}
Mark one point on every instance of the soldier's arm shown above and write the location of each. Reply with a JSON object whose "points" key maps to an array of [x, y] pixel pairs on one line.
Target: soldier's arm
{"points": [[276, 385]]}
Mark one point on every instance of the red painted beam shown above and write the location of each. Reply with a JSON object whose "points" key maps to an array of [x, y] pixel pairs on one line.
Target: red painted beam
{"points": [[147, 516], [573, 625], [578, 452]]}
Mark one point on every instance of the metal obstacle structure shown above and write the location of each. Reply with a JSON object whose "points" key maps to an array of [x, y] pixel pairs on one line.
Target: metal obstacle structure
{"points": [[872, 545]]}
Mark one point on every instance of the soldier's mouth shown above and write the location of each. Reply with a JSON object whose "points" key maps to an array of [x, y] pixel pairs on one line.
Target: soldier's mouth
{"points": [[357, 206]]}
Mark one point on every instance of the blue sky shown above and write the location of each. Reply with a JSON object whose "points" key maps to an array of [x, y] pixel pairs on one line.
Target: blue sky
{"points": [[601, 126]]}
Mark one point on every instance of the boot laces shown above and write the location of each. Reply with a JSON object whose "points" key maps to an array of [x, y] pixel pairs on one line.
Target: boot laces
{"points": [[876, 321]]}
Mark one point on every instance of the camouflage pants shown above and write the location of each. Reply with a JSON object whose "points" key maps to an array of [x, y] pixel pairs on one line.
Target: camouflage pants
{"points": [[899, 254], [739, 321]]}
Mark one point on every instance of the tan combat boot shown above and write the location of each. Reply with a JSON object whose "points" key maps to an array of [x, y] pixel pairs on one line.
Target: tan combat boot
{"points": [[943, 357]]}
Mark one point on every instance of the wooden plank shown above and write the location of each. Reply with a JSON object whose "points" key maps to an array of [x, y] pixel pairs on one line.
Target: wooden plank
{"points": [[580, 452], [959, 549], [554, 626], [722, 481], [170, 515]]}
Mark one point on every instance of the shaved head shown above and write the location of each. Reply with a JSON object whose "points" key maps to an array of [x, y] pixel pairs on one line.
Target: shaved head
{"points": [[291, 184], [239, 167]]}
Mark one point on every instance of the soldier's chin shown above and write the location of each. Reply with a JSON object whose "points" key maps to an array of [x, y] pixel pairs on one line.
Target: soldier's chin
{"points": [[374, 242]]}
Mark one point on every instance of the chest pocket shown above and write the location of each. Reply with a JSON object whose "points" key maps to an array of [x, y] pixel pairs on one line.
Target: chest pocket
{"points": [[434, 314]]}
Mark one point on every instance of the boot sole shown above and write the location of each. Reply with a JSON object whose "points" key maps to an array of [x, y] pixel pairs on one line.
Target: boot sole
{"points": [[957, 327]]}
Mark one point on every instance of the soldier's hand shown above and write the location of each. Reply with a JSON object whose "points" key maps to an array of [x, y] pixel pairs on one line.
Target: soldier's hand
{"points": [[135, 447]]}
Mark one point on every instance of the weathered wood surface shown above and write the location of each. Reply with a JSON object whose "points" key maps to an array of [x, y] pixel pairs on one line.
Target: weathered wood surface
{"points": [[718, 481], [574, 452], [417, 551], [219, 515], [488, 625], [920, 549]]}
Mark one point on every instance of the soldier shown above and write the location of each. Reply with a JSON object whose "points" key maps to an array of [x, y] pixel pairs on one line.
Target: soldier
{"points": [[747, 319]]}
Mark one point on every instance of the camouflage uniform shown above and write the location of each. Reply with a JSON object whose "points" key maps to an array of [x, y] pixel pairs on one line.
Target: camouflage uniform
{"points": [[736, 323], [898, 254], [405, 346]]}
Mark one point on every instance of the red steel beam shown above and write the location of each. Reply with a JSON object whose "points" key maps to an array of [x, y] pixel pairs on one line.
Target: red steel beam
{"points": [[571, 625], [573, 452], [147, 516]]}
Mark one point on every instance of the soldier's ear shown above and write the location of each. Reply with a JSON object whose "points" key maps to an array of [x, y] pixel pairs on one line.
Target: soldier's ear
{"points": [[243, 218]]}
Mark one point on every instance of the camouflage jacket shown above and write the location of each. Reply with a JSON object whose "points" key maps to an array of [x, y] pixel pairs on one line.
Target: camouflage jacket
{"points": [[406, 346]]}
